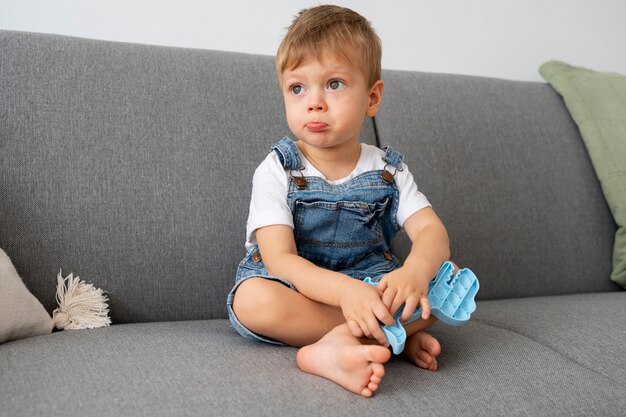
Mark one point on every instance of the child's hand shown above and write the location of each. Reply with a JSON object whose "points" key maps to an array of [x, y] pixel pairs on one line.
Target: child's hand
{"points": [[364, 309], [404, 287]]}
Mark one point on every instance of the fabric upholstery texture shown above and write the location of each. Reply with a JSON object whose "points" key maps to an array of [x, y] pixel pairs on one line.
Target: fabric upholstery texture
{"points": [[116, 160], [597, 103], [191, 368], [532, 209], [21, 314], [588, 329]]}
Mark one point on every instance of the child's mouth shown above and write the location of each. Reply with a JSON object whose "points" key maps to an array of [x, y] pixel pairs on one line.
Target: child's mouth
{"points": [[316, 126]]}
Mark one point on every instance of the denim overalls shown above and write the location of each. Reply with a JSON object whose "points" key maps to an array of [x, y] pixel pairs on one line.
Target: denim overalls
{"points": [[345, 227]]}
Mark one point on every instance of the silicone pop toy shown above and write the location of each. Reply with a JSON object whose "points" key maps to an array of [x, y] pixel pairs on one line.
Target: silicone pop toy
{"points": [[451, 301]]}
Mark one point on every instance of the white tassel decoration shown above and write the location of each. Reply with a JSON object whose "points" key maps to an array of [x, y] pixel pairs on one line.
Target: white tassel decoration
{"points": [[81, 305]]}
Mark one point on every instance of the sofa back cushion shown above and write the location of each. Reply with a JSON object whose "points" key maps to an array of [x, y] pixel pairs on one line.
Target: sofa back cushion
{"points": [[505, 168], [131, 166]]}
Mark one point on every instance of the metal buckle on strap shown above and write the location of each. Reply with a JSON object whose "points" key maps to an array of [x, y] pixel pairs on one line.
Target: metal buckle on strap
{"points": [[300, 181], [387, 175]]}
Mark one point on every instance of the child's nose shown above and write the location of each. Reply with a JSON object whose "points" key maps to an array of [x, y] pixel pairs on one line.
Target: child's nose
{"points": [[316, 102]]}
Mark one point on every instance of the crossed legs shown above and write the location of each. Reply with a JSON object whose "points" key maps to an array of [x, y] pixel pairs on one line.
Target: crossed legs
{"points": [[328, 348]]}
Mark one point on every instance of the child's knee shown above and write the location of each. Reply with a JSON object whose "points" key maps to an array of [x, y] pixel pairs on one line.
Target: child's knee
{"points": [[245, 299], [256, 302]]}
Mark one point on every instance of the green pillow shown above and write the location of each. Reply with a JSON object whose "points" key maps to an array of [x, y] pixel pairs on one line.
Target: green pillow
{"points": [[597, 103]]}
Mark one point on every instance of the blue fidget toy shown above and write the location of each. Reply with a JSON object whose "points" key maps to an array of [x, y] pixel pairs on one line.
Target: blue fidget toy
{"points": [[451, 301]]}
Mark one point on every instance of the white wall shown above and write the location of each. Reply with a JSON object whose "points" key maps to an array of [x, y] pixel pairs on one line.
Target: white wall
{"points": [[501, 38]]}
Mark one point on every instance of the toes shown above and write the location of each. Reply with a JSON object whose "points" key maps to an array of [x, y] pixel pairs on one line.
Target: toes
{"points": [[426, 357], [421, 364], [366, 392], [372, 386], [424, 360], [378, 371], [376, 379], [430, 344], [433, 347], [378, 354]]}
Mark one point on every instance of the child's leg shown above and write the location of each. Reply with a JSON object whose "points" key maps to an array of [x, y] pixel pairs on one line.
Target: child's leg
{"points": [[273, 310], [330, 350]]}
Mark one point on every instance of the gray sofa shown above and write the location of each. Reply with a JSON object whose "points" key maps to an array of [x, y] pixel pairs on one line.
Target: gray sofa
{"points": [[131, 166]]}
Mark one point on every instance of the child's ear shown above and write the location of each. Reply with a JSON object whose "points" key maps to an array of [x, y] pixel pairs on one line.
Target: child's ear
{"points": [[376, 97]]}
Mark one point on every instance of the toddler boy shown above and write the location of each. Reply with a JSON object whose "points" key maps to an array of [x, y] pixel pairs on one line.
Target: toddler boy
{"points": [[324, 210]]}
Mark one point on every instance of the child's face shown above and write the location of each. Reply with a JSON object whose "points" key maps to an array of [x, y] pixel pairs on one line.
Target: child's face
{"points": [[326, 101]]}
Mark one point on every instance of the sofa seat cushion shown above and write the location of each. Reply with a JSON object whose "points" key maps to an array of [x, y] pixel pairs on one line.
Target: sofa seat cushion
{"points": [[587, 329], [205, 367]]}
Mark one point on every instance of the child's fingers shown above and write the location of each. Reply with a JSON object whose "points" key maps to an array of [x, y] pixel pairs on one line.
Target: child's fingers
{"points": [[388, 296], [425, 307], [409, 308], [364, 328], [383, 315], [355, 329], [411, 305], [398, 301], [381, 287], [360, 327], [377, 332]]}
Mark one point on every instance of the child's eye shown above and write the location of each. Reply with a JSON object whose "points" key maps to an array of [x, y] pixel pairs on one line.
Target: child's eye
{"points": [[336, 85], [296, 89]]}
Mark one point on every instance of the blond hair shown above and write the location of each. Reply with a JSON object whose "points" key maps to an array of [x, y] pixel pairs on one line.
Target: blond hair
{"points": [[335, 30]]}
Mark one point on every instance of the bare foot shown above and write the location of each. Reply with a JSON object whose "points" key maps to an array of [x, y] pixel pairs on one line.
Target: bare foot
{"points": [[340, 357], [422, 350]]}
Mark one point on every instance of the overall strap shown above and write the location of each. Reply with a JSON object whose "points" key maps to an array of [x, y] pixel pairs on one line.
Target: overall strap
{"points": [[287, 152], [394, 159]]}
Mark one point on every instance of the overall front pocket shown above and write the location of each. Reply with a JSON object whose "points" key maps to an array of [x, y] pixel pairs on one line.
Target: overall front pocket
{"points": [[342, 231]]}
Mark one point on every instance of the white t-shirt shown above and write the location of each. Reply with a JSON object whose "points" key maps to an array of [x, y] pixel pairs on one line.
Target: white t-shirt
{"points": [[270, 184]]}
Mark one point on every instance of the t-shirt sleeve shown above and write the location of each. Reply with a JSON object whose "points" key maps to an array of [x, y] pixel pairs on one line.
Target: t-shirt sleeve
{"points": [[411, 199], [268, 204]]}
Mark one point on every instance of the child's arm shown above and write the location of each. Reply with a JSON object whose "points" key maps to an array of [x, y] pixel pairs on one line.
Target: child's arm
{"points": [[409, 284], [360, 303]]}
